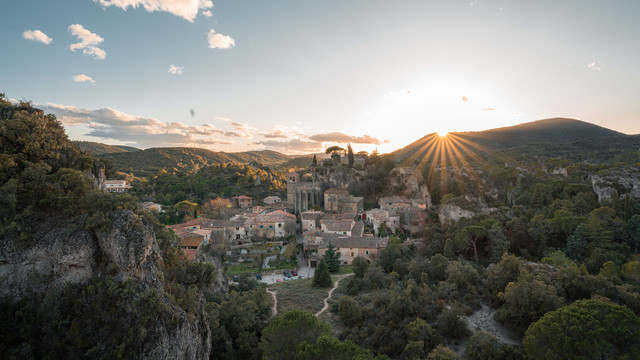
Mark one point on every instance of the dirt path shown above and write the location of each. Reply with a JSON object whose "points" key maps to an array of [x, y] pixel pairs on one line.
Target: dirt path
{"points": [[483, 320], [326, 300], [274, 308]]}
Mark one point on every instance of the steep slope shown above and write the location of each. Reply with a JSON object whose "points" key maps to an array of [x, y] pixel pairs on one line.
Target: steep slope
{"points": [[83, 274], [152, 160]]}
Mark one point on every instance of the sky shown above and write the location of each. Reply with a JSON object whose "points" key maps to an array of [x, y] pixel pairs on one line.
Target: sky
{"points": [[299, 76]]}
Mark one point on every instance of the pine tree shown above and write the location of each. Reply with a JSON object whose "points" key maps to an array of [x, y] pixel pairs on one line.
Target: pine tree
{"points": [[321, 277], [314, 162], [332, 258], [350, 155]]}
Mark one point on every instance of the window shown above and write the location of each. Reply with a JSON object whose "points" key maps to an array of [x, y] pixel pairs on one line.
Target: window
{"points": [[261, 226], [352, 253], [367, 252], [237, 228], [270, 226], [279, 225]]}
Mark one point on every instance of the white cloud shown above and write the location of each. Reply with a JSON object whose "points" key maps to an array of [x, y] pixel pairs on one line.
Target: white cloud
{"points": [[594, 66], [186, 9], [207, 13], [175, 70], [83, 78], [292, 146], [219, 41], [37, 35], [108, 123], [88, 42]]}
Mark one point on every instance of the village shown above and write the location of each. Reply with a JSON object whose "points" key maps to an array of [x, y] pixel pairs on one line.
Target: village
{"points": [[278, 239]]}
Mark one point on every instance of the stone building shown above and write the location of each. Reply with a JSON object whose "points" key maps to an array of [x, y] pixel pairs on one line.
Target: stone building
{"points": [[301, 196], [332, 199]]}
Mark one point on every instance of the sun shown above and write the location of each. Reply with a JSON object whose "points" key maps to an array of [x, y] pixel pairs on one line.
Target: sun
{"points": [[443, 133]]}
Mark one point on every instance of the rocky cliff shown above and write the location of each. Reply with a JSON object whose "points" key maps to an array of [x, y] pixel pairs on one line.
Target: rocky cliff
{"points": [[57, 257], [620, 182], [410, 183]]}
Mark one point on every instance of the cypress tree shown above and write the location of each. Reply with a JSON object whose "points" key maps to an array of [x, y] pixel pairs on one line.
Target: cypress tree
{"points": [[332, 258], [321, 278]]}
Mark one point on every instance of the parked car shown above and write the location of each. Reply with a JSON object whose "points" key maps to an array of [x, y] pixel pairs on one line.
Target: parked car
{"points": [[294, 272], [235, 278], [287, 274], [301, 277], [258, 276]]}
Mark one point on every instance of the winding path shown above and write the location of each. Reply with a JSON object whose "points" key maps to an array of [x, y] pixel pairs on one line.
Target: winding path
{"points": [[335, 286], [274, 308]]}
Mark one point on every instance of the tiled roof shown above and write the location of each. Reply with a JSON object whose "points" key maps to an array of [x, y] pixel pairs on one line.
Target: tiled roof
{"points": [[202, 232], [329, 216], [378, 215], [354, 242], [242, 197], [311, 215], [190, 253], [224, 223], [191, 241], [338, 225], [272, 217], [352, 199], [358, 229]]}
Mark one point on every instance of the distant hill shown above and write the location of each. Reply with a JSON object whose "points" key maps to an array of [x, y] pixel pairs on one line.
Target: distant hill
{"points": [[550, 138], [150, 161], [101, 149]]}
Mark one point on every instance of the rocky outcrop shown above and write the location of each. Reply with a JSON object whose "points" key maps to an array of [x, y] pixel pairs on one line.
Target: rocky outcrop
{"points": [[457, 208], [60, 255], [411, 183], [620, 182]]}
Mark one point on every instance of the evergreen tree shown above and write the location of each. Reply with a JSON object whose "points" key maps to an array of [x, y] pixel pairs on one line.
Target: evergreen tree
{"points": [[314, 162], [350, 155], [332, 258], [321, 278]]}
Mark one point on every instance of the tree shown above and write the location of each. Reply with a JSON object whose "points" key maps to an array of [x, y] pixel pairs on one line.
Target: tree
{"points": [[314, 162], [332, 259], [283, 334], [349, 311], [483, 346], [631, 270], [335, 152], [452, 325], [576, 244], [525, 301], [442, 352], [218, 208], [350, 155], [330, 348], [360, 266], [586, 329], [321, 277]]}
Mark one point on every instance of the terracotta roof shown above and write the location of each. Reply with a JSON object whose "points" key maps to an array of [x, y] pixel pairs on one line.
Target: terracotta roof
{"points": [[338, 225], [191, 241], [115, 182], [310, 215], [242, 197], [224, 223], [272, 217], [355, 242], [358, 229], [202, 232]]}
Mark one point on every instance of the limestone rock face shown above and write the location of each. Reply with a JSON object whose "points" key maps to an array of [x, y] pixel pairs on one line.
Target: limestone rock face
{"points": [[621, 181], [59, 255], [410, 180], [457, 208]]}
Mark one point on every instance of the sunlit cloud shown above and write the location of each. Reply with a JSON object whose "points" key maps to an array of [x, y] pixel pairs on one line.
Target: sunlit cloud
{"points": [[37, 35], [88, 42], [175, 70], [345, 138], [83, 78], [292, 146], [284, 132], [488, 109], [219, 41], [594, 66], [240, 130], [207, 13], [186, 9], [112, 124], [465, 99]]}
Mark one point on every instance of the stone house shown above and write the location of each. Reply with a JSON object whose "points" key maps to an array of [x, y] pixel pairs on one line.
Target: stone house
{"points": [[341, 227], [229, 232], [310, 220], [302, 196], [332, 199], [276, 224], [351, 204], [243, 201], [377, 217], [118, 186], [393, 203], [315, 245]]}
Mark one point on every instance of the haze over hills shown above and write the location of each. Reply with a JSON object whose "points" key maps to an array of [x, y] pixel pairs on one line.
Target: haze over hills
{"points": [[149, 161], [557, 136]]}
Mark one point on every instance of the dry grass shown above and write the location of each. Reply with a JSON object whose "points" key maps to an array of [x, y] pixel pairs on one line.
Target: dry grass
{"points": [[299, 295]]}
